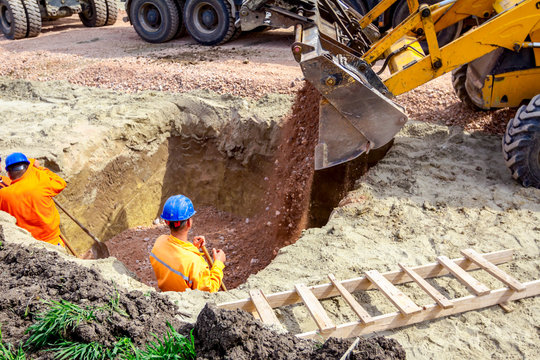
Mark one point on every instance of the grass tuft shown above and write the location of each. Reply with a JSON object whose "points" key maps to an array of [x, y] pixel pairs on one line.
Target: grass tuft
{"points": [[171, 347], [8, 352], [53, 324], [50, 332], [68, 350]]}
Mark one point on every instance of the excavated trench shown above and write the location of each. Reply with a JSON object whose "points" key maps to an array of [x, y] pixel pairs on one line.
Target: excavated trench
{"points": [[250, 205]]}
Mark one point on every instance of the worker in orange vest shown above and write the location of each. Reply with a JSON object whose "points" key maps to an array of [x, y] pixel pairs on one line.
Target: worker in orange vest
{"points": [[29, 198], [4, 180], [177, 263]]}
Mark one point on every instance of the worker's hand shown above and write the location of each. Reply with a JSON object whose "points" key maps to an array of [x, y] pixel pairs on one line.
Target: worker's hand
{"points": [[199, 241], [219, 255], [36, 163]]}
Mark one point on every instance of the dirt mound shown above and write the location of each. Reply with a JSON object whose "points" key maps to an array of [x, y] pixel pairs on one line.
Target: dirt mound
{"points": [[30, 276], [234, 334]]}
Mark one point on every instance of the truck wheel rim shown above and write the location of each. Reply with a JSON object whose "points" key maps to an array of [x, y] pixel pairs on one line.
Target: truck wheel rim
{"points": [[5, 18], [205, 18], [150, 17]]}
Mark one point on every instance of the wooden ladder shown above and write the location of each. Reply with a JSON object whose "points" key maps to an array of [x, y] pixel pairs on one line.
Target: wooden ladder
{"points": [[408, 312]]}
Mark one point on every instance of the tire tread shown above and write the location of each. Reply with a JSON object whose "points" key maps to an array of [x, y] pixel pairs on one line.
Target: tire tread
{"points": [[33, 18], [19, 23], [112, 12], [459, 76], [521, 141]]}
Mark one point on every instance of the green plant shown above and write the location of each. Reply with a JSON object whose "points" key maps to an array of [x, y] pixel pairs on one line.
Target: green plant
{"points": [[68, 350], [124, 349], [114, 305], [172, 346], [7, 352], [51, 325]]}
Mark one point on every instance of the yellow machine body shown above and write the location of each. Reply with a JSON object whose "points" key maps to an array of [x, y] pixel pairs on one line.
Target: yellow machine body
{"points": [[403, 59]]}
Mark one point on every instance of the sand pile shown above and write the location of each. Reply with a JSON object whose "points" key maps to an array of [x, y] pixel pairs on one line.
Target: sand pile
{"points": [[437, 191]]}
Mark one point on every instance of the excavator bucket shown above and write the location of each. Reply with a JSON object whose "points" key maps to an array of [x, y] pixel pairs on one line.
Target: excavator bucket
{"points": [[356, 113]]}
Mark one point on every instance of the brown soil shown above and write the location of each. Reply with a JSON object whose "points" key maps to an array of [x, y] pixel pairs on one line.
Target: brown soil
{"points": [[237, 335], [30, 276], [249, 243]]}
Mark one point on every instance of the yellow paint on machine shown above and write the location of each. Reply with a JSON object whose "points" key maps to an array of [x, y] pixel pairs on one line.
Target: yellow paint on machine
{"points": [[510, 89], [502, 5], [409, 56]]}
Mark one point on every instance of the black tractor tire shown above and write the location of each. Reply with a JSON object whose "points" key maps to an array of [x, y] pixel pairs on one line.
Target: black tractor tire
{"points": [[33, 17], [13, 23], [521, 144], [94, 13], [357, 5], [156, 21], [209, 22], [459, 77], [181, 32], [237, 32], [112, 12]]}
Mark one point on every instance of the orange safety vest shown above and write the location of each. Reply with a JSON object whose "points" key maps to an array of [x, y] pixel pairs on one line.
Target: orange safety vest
{"points": [[179, 265], [4, 181], [29, 200]]}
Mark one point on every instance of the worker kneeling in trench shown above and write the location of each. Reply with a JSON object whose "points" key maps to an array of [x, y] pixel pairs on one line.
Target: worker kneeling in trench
{"points": [[177, 263], [28, 198]]}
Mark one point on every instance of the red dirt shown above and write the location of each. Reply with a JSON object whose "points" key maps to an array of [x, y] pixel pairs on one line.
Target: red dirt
{"points": [[280, 224]]}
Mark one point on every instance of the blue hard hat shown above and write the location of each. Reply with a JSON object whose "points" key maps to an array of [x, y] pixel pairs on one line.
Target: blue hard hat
{"points": [[177, 208], [16, 158]]}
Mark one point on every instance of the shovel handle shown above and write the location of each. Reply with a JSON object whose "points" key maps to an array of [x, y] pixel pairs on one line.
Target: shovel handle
{"points": [[66, 242], [77, 222], [211, 262]]}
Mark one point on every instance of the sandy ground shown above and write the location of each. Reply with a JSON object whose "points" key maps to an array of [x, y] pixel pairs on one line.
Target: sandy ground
{"points": [[439, 190], [115, 57]]}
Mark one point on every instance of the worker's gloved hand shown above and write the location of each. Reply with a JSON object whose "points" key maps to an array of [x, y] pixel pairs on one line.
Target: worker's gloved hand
{"points": [[219, 255], [199, 241]]}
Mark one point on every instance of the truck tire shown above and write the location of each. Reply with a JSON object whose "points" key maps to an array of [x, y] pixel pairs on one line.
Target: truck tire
{"points": [[521, 144], [33, 17], [112, 12], [209, 22], [94, 13], [181, 25], [13, 19], [459, 77], [155, 21], [357, 5]]}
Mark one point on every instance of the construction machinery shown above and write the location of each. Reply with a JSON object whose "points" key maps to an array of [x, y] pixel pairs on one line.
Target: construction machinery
{"points": [[495, 59], [23, 18]]}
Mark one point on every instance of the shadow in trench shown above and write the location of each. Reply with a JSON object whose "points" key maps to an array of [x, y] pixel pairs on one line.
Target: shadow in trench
{"points": [[331, 185]]}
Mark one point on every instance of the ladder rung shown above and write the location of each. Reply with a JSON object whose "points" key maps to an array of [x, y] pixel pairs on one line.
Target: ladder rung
{"points": [[493, 269], [474, 285], [358, 309], [399, 299], [264, 309], [428, 288], [315, 308]]}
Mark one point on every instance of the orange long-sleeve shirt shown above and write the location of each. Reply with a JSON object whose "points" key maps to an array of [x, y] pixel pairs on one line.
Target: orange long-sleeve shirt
{"points": [[29, 200], [4, 181], [179, 265]]}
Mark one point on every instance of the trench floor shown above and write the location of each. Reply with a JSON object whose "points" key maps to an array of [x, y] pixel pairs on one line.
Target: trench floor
{"points": [[239, 237]]}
